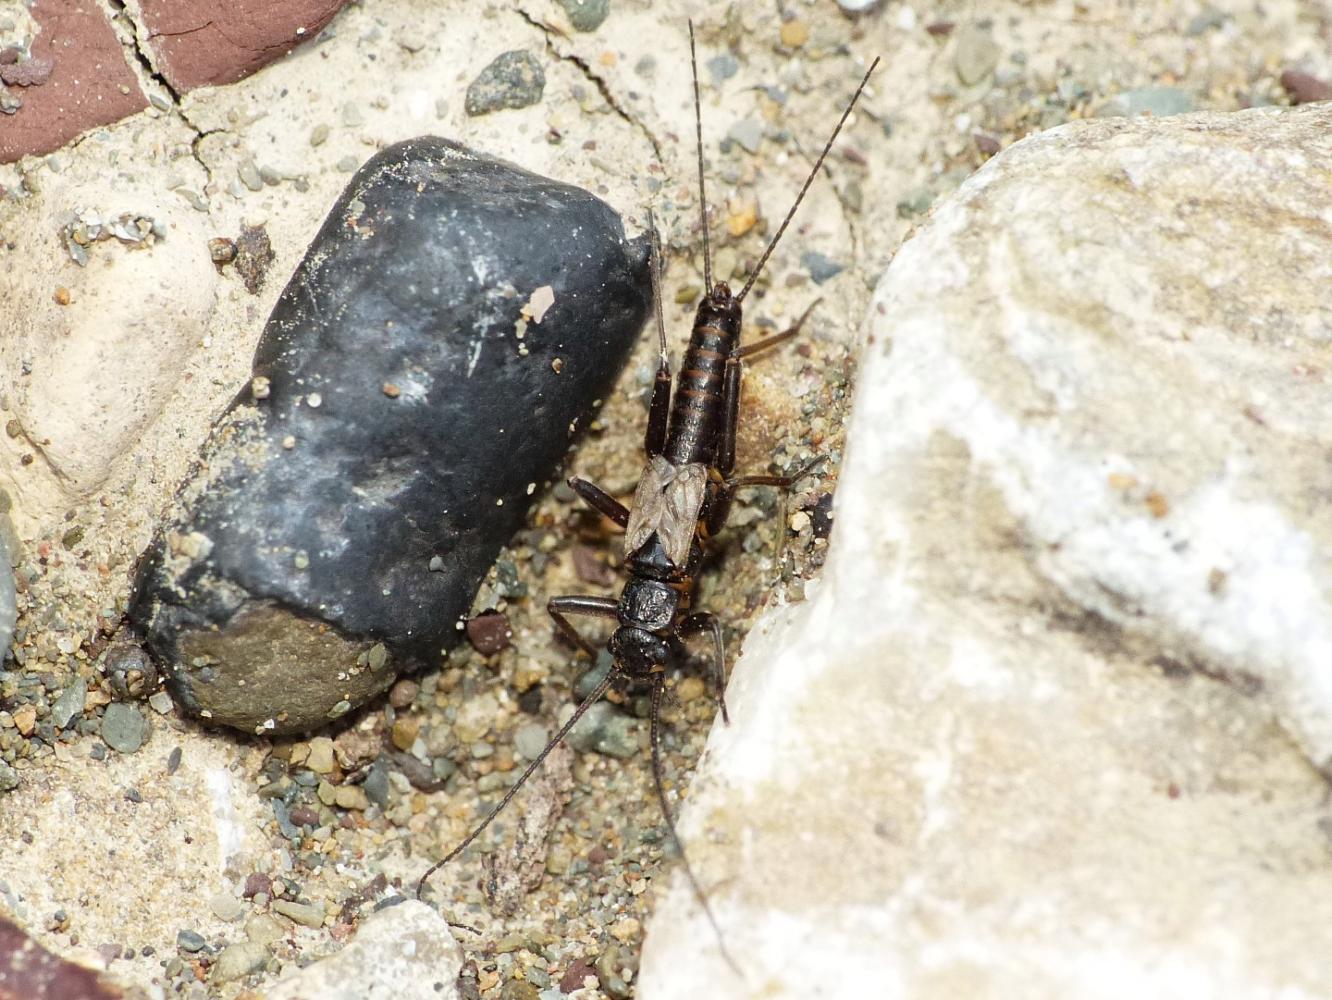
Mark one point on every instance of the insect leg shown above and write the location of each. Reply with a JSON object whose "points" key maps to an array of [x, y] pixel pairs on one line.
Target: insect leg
{"points": [[654, 441], [599, 500], [601, 607], [776, 338], [588, 702], [781, 482], [704, 622], [657, 688]]}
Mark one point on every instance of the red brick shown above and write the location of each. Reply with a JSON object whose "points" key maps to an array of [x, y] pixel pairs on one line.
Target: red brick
{"points": [[199, 43], [84, 88]]}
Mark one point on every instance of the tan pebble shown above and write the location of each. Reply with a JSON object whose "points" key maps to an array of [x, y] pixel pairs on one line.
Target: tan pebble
{"points": [[351, 797], [798, 521], [327, 793], [25, 719], [405, 730], [390, 390], [320, 758], [487, 980], [1157, 504], [691, 689], [795, 34], [61, 296], [742, 218], [403, 693], [625, 930], [1121, 481]]}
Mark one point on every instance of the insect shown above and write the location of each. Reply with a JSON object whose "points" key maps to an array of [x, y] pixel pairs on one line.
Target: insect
{"points": [[683, 499]]}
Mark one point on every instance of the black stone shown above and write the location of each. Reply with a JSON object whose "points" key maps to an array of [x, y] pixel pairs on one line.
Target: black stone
{"points": [[408, 406]]}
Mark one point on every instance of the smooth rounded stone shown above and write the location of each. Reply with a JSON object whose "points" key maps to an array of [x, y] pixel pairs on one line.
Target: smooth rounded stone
{"points": [[402, 952], [1064, 678], [238, 960], [305, 914], [514, 80], [976, 55], [226, 906], [190, 941], [411, 403], [605, 730], [124, 727], [531, 739], [9, 779], [586, 15]]}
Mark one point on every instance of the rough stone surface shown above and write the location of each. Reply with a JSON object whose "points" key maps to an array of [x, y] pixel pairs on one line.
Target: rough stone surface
{"points": [[199, 44], [402, 952], [99, 367], [84, 80], [1052, 723], [403, 408], [8, 596]]}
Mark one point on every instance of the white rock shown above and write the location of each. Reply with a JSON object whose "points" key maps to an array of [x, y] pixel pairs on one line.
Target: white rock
{"points": [[1045, 728], [403, 952]]}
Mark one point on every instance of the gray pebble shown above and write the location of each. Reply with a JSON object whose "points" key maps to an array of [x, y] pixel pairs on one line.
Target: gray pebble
{"points": [[604, 730], [237, 960], [976, 55], [723, 67], [820, 267], [530, 740], [857, 6], [588, 682], [586, 15], [123, 727], [1161, 102], [9, 779], [376, 784], [191, 941], [348, 164], [915, 203], [249, 175], [69, 704], [318, 135], [161, 703], [514, 80], [748, 133]]}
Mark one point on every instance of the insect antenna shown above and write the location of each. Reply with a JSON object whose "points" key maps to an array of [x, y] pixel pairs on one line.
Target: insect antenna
{"points": [[588, 702], [657, 688], [827, 147], [702, 192]]}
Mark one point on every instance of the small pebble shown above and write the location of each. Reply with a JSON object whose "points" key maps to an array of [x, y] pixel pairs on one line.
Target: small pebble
{"points": [[489, 632], [1161, 102], [320, 759], [256, 883], [9, 779], [604, 730], [403, 693], [586, 15], [976, 56], [820, 267], [160, 702], [124, 728], [301, 913], [1305, 88], [240, 959], [690, 689], [513, 80], [748, 133], [226, 906], [529, 740], [795, 34], [70, 703], [191, 941], [318, 135]]}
